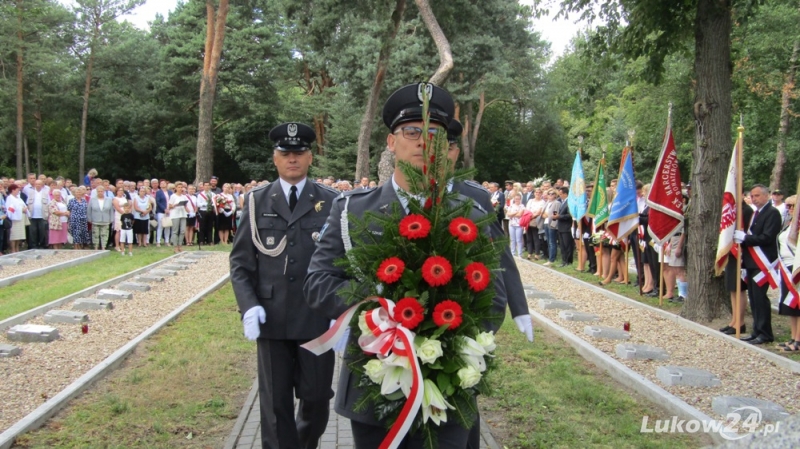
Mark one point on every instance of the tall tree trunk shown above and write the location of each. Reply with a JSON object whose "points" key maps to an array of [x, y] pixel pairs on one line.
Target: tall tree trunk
{"points": [[20, 104], [319, 130], [85, 113], [466, 141], [385, 166], [712, 152], [364, 134], [786, 98], [27, 155], [38, 117], [442, 44], [215, 37]]}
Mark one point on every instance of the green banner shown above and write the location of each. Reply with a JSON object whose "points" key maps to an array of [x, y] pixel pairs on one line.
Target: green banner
{"points": [[598, 206]]}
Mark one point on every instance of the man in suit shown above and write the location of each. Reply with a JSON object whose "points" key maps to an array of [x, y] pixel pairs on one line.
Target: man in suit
{"points": [[402, 114], [763, 233], [279, 226], [38, 202], [498, 199], [564, 227]]}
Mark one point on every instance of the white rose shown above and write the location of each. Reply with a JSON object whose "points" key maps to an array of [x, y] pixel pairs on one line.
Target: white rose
{"points": [[429, 350], [486, 339], [362, 324], [375, 370], [468, 377]]}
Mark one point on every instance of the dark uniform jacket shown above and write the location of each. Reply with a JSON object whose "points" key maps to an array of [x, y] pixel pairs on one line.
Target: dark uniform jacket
{"points": [[324, 280], [764, 234], [276, 283], [564, 217]]}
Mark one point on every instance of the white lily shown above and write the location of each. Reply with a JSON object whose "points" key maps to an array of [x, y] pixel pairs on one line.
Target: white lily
{"points": [[434, 406], [398, 375], [472, 353]]}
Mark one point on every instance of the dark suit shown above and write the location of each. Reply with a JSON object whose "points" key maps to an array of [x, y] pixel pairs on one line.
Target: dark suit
{"points": [[565, 232], [764, 230], [500, 205], [275, 282], [323, 281]]}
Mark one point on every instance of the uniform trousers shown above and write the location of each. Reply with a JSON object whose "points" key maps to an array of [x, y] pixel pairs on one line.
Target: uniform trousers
{"points": [[567, 247], [206, 221], [760, 306], [38, 233], [368, 436], [285, 368]]}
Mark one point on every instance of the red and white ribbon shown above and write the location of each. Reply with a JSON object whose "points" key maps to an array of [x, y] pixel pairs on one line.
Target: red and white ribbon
{"points": [[388, 336], [792, 298]]}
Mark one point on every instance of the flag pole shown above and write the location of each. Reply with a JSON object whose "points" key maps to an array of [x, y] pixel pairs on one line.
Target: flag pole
{"points": [[661, 265], [581, 256], [739, 224], [600, 260]]}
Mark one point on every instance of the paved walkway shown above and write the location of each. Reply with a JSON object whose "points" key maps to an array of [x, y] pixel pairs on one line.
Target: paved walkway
{"points": [[246, 433]]}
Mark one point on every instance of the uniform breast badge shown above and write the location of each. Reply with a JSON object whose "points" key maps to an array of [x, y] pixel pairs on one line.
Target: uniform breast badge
{"points": [[270, 241], [318, 206]]}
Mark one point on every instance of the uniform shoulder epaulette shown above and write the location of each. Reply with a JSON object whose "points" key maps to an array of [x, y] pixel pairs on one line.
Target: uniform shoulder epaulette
{"points": [[475, 185], [355, 192], [329, 189]]}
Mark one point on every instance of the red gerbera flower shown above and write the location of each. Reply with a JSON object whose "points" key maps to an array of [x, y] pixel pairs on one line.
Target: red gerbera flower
{"points": [[437, 271], [391, 270], [477, 276], [447, 312], [414, 226], [409, 312], [463, 229]]}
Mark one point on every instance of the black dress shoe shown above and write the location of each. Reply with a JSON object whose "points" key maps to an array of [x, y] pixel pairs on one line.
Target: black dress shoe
{"points": [[652, 294], [728, 330], [562, 265], [748, 338], [759, 341]]}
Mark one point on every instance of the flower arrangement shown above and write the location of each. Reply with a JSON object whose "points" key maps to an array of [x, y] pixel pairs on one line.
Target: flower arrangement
{"points": [[422, 302], [222, 202]]}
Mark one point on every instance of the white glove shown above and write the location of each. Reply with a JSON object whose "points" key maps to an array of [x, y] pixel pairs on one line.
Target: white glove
{"points": [[586, 236], [525, 326], [738, 236], [252, 321]]}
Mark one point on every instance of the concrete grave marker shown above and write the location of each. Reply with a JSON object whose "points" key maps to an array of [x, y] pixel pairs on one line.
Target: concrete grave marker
{"points": [[172, 266], [133, 286], [108, 293], [161, 272], [630, 351], [7, 350], [46, 252], [32, 333], [535, 294], [770, 411], [606, 332], [92, 304], [27, 256], [195, 256], [149, 278], [10, 261], [571, 315], [546, 304], [683, 375], [184, 261], [65, 316]]}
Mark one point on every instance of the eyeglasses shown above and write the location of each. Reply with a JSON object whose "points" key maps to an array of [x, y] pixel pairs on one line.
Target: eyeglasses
{"points": [[414, 132]]}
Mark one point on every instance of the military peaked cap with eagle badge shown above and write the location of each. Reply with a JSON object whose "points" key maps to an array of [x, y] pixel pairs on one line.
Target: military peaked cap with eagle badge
{"points": [[405, 105], [292, 136]]}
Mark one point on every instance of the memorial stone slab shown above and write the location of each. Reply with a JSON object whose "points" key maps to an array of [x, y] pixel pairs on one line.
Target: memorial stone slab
{"points": [[770, 411], [7, 350], [606, 332], [133, 286], [32, 333], [28, 256], [114, 294], [194, 256], [65, 316], [184, 261], [92, 304], [571, 315], [46, 252], [148, 278], [172, 266], [161, 272], [535, 294], [10, 261], [546, 304], [671, 375], [628, 351]]}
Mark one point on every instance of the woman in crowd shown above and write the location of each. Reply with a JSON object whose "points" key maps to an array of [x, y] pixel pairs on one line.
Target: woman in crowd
{"points": [[151, 196], [78, 209], [226, 207], [787, 245], [101, 215], [162, 197], [15, 211], [87, 180], [240, 203], [514, 213], [141, 216], [4, 220], [551, 225], [118, 203], [536, 206], [191, 214], [58, 220], [176, 208], [644, 244]]}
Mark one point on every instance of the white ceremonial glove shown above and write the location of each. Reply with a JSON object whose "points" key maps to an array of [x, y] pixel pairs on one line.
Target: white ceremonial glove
{"points": [[586, 236], [738, 236], [525, 326], [252, 321]]}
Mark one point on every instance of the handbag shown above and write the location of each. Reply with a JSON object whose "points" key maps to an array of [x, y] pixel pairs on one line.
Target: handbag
{"points": [[166, 222], [153, 224], [7, 224]]}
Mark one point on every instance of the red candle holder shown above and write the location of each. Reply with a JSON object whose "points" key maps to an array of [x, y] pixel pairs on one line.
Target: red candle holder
{"points": [[84, 328], [626, 326]]}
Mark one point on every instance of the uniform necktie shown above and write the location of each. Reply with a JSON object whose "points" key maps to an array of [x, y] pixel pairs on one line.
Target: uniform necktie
{"points": [[292, 198], [755, 216]]}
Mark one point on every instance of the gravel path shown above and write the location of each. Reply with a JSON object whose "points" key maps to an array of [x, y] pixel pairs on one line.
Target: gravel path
{"points": [[742, 372], [46, 261], [42, 370]]}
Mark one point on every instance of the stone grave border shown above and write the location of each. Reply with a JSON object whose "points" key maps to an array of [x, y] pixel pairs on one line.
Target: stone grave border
{"points": [[60, 266], [40, 415], [41, 310]]}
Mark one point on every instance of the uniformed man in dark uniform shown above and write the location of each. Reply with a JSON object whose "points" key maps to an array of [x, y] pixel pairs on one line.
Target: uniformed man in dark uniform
{"points": [[402, 114], [279, 227]]}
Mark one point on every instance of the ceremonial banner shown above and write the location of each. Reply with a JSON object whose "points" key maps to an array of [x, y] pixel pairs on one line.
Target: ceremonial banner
{"points": [[577, 190], [727, 223], [598, 206], [624, 215], [665, 198]]}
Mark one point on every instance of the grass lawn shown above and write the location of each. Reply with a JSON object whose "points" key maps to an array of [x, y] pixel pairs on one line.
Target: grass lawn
{"points": [[548, 396], [27, 294], [182, 388]]}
